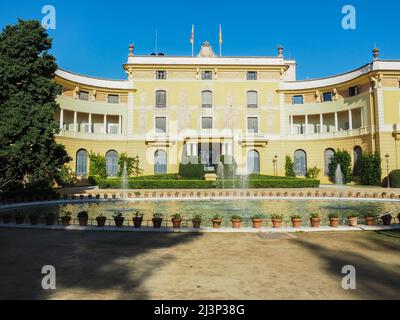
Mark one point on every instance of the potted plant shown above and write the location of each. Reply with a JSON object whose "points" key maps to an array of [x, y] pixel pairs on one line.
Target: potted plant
{"points": [[334, 220], [118, 219], [353, 219], [236, 222], [138, 219], [19, 218], [315, 220], [296, 220], [101, 221], [176, 220], [66, 218], [197, 221], [257, 220], [6, 218], [49, 218], [83, 218], [97, 195], [277, 220], [370, 218], [387, 219], [157, 220], [217, 221], [34, 218]]}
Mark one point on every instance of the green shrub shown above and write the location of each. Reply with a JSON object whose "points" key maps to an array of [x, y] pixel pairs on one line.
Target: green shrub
{"points": [[313, 173], [66, 177], [191, 168], [343, 158], [394, 178], [370, 169], [98, 165], [229, 166], [132, 165], [289, 167]]}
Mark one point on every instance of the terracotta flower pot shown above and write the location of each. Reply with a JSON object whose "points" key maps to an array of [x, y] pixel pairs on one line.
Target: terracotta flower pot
{"points": [[119, 222], [157, 222], [353, 222], [196, 223], [315, 222], [49, 221], [137, 222], [101, 222], [236, 224], [176, 223], [257, 223], [276, 223], [369, 221], [334, 222], [66, 221], [296, 223], [387, 219], [83, 222], [217, 223], [19, 220], [34, 220]]}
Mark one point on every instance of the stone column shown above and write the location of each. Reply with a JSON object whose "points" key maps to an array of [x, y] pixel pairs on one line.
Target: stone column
{"points": [[105, 124], [90, 123], [76, 121], [321, 123], [120, 124], [350, 120], [61, 119], [306, 124], [336, 122]]}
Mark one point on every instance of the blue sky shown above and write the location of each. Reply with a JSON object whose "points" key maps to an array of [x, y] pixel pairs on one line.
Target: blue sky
{"points": [[92, 37]]}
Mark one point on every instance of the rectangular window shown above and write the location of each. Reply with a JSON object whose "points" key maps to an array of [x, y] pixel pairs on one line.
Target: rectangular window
{"points": [[252, 125], [161, 74], [161, 99], [206, 123], [206, 99], [353, 91], [161, 125], [113, 98], [252, 99], [207, 75], [327, 96], [84, 95], [297, 99], [113, 128], [251, 75]]}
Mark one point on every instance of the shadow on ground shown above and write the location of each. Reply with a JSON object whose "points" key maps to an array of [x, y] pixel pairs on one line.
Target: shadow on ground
{"points": [[375, 279], [115, 264]]}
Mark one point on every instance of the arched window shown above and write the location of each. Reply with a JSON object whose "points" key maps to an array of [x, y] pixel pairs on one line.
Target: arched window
{"points": [[161, 99], [81, 163], [357, 153], [329, 153], [206, 99], [300, 162], [112, 163], [253, 162], [252, 99], [160, 162]]}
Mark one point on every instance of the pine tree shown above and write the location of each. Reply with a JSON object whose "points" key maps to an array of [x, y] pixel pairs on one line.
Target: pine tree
{"points": [[28, 151]]}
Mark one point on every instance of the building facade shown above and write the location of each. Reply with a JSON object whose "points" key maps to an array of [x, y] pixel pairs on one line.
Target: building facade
{"points": [[171, 108]]}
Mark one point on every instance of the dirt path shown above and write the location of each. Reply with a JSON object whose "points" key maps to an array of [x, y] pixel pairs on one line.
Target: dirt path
{"points": [[185, 266]]}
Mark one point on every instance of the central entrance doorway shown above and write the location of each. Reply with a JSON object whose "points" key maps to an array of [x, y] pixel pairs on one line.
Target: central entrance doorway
{"points": [[209, 153]]}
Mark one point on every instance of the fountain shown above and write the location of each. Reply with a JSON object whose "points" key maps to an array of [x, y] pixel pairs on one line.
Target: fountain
{"points": [[124, 180], [338, 175], [221, 174]]}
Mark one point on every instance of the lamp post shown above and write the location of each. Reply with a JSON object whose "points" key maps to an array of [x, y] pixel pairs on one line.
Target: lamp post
{"points": [[276, 164], [387, 169]]}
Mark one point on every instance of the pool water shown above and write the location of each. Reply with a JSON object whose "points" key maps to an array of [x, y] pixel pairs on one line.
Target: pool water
{"points": [[226, 208]]}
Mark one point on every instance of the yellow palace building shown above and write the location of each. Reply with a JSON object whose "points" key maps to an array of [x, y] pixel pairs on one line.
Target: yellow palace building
{"points": [[253, 108]]}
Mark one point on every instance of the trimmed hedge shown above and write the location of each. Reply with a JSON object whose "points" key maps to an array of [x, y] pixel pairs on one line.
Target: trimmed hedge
{"points": [[202, 184], [394, 178]]}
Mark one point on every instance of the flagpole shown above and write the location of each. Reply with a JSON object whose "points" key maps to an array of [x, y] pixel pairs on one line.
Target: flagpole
{"points": [[220, 40]]}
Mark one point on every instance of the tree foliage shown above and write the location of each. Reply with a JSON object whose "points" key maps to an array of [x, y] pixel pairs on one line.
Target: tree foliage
{"points": [[342, 158], [28, 151], [289, 167], [132, 165], [371, 169], [97, 165]]}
